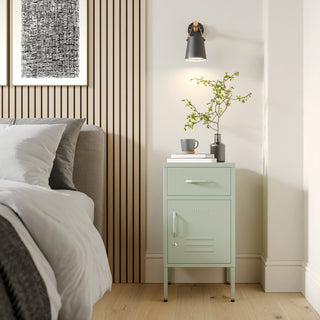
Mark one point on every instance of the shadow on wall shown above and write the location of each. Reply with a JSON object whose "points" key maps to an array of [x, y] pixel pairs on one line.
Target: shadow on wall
{"points": [[306, 239], [285, 220], [249, 192], [247, 52], [213, 34]]}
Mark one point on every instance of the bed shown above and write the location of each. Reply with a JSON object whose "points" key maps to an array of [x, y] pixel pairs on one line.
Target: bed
{"points": [[53, 262]]}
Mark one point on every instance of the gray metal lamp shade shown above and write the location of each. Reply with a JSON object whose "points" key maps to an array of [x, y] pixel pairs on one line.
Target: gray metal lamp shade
{"points": [[195, 43], [195, 48]]}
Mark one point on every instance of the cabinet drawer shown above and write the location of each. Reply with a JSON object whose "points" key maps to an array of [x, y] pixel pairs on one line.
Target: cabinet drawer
{"points": [[199, 231], [199, 181]]}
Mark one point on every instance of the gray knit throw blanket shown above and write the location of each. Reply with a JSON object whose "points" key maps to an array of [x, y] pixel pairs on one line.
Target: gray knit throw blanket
{"points": [[23, 294]]}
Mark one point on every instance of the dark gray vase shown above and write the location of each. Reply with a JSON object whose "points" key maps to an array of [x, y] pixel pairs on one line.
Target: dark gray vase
{"points": [[218, 148]]}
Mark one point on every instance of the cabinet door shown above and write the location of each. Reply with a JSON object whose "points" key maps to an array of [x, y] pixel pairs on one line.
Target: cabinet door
{"points": [[199, 231]]}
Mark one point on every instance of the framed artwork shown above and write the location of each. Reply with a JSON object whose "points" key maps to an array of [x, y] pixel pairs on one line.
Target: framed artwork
{"points": [[3, 42], [49, 42]]}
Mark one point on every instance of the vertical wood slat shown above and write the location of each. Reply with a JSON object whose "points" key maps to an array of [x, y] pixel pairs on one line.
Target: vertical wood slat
{"points": [[25, 102], [32, 109], [104, 95], [116, 138], [12, 107], [110, 172], [44, 103], [97, 62], [6, 101], [11, 90], [18, 103], [136, 143], [64, 102], [57, 102], [91, 64], [84, 103], [38, 102], [77, 102], [70, 104], [143, 165], [123, 141], [130, 142], [52, 101], [114, 99]]}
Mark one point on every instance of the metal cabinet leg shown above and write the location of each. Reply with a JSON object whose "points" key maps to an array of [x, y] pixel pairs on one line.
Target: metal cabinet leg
{"points": [[165, 284], [169, 275], [233, 283], [227, 275]]}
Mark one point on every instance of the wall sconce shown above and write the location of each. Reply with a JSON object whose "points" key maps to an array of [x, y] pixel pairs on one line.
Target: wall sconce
{"points": [[195, 43]]}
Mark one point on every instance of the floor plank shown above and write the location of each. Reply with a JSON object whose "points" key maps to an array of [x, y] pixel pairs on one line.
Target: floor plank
{"points": [[200, 302]]}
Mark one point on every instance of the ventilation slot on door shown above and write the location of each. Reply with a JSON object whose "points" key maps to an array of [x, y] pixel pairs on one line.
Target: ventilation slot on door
{"points": [[199, 245]]}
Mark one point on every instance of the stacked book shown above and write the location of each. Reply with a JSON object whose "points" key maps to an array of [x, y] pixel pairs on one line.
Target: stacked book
{"points": [[192, 158]]}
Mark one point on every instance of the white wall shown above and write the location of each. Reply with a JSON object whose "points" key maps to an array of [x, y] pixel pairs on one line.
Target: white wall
{"points": [[283, 214], [312, 150], [233, 33]]}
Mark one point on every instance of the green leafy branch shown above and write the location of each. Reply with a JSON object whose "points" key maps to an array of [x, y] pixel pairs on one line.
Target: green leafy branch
{"points": [[217, 106]]}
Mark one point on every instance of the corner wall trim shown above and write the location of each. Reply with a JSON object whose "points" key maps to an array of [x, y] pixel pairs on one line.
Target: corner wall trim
{"points": [[282, 275], [312, 286]]}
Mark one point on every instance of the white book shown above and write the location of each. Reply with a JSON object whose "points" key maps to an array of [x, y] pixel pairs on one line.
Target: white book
{"points": [[192, 156], [170, 160]]}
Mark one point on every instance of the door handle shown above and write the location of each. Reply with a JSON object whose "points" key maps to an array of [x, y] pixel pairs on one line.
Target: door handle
{"points": [[198, 181], [174, 216]]}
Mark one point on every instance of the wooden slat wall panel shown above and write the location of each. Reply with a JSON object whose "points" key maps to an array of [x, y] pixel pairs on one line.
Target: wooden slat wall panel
{"points": [[114, 99]]}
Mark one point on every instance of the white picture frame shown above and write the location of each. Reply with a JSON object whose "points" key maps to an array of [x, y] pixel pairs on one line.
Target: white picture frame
{"points": [[3, 43], [51, 66]]}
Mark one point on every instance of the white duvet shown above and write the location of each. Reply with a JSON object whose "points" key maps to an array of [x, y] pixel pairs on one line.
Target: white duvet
{"points": [[62, 229]]}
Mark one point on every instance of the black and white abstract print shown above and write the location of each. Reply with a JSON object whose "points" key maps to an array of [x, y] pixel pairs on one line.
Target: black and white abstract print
{"points": [[50, 38]]}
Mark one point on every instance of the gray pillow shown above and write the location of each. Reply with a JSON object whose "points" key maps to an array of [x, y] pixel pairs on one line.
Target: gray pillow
{"points": [[6, 121], [62, 172], [27, 152]]}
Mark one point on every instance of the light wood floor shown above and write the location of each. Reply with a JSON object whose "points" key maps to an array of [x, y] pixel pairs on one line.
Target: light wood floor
{"points": [[200, 302]]}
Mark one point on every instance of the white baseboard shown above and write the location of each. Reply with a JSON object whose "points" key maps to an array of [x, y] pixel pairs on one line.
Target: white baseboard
{"points": [[312, 286], [274, 275], [281, 275], [247, 271]]}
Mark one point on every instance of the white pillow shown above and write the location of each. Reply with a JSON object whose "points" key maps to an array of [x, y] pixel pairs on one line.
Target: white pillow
{"points": [[27, 152], [4, 127]]}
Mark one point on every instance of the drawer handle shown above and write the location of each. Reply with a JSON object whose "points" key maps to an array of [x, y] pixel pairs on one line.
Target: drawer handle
{"points": [[174, 215], [198, 181]]}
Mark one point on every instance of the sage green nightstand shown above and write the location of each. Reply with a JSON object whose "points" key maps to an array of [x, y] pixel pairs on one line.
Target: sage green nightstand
{"points": [[199, 218]]}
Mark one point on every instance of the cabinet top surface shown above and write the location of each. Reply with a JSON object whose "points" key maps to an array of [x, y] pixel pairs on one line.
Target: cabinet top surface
{"points": [[199, 165]]}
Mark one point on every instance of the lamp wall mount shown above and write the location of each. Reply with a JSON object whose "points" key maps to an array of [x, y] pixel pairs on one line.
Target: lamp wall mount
{"points": [[195, 27]]}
